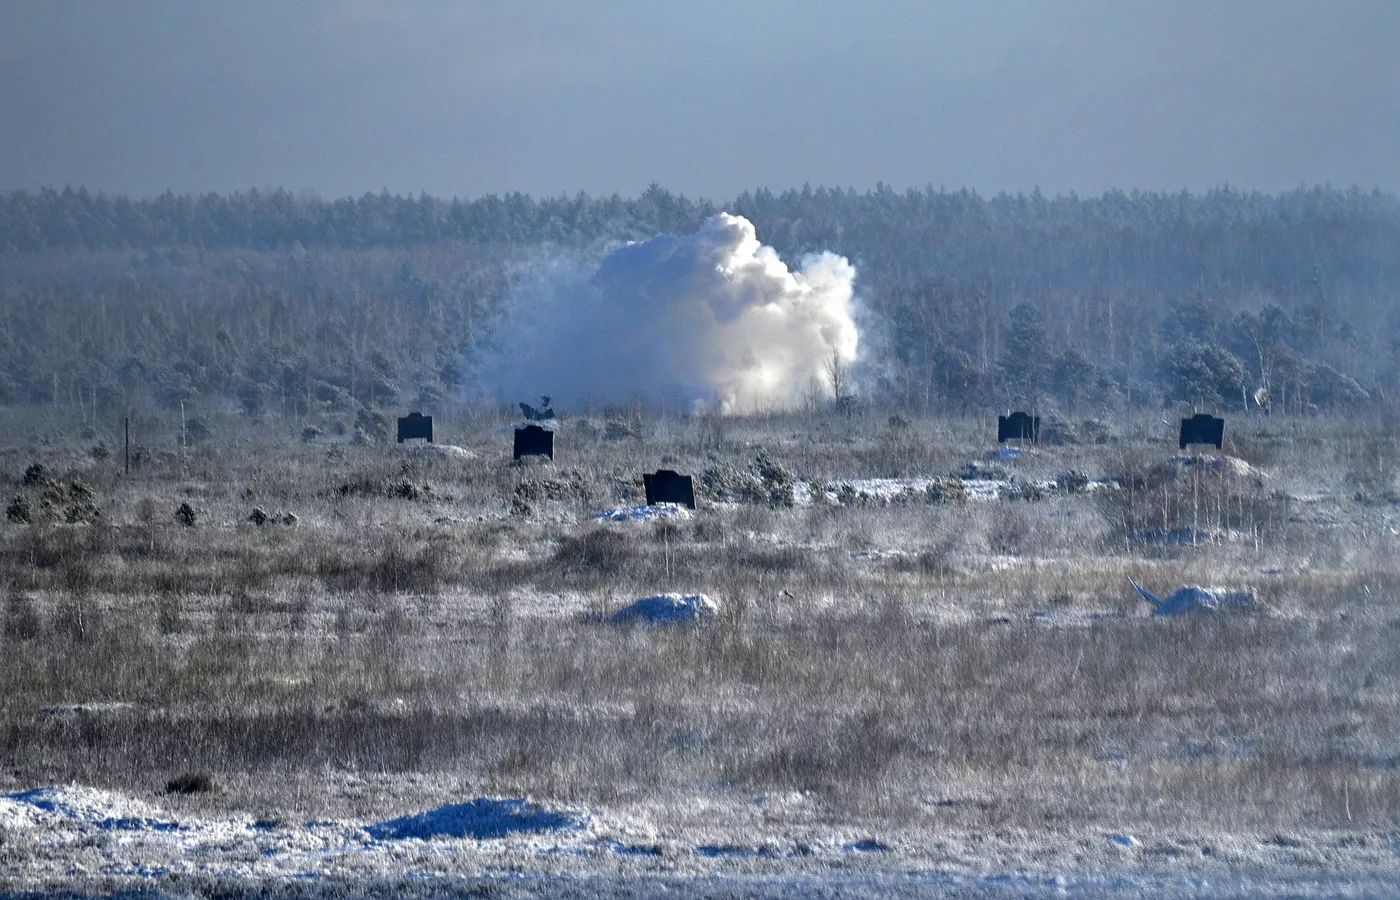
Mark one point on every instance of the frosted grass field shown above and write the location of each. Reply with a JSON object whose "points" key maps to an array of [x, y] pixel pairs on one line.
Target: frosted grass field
{"points": [[427, 680]]}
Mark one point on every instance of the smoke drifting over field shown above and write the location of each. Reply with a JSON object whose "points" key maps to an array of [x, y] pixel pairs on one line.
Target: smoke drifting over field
{"points": [[710, 318]]}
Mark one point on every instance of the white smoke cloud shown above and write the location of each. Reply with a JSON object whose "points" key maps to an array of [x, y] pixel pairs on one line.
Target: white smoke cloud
{"points": [[710, 318]]}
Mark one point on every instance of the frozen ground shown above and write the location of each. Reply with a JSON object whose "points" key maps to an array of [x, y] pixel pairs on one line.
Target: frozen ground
{"points": [[100, 841]]}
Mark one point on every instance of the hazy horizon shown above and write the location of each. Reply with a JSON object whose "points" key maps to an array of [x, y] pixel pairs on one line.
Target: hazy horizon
{"points": [[341, 98]]}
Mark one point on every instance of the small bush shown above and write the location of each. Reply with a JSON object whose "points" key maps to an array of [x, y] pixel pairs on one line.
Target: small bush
{"points": [[1072, 482], [1009, 531], [397, 568], [73, 620], [1023, 490], [936, 562], [1094, 431], [1372, 467], [81, 511], [197, 431], [184, 514], [407, 490], [946, 490], [20, 510], [1058, 432], [617, 431], [601, 551], [190, 783], [371, 427], [570, 486], [22, 622], [169, 616]]}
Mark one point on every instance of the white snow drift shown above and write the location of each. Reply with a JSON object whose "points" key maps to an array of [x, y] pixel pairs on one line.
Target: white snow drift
{"points": [[668, 609], [1193, 599], [479, 819]]}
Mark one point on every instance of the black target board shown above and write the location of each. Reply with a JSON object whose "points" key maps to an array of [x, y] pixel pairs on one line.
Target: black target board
{"points": [[665, 486], [532, 440], [414, 426], [1202, 429], [1018, 426]]}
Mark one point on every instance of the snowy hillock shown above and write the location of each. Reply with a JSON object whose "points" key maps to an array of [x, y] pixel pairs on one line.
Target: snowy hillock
{"points": [[668, 609], [643, 513], [479, 819]]}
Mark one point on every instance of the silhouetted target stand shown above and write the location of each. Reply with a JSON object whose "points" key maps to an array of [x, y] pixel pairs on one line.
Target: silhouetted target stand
{"points": [[1019, 426], [414, 426], [665, 486], [532, 440], [1202, 429]]}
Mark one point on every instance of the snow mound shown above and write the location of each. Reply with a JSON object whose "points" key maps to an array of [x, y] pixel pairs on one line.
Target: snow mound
{"points": [[668, 609], [1194, 599], [1231, 464], [643, 513], [438, 451], [885, 491], [983, 488], [90, 806], [78, 709], [479, 819], [16, 814]]}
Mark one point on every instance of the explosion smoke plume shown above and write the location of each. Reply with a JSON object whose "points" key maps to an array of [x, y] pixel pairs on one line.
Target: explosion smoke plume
{"points": [[714, 318]]}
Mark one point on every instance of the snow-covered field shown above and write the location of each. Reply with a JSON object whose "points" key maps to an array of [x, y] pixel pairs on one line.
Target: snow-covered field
{"points": [[877, 689], [85, 838]]}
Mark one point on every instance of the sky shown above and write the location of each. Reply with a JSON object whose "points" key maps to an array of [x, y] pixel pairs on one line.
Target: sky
{"points": [[460, 98]]}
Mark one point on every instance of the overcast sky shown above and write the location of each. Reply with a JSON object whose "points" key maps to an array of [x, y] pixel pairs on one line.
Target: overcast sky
{"points": [[709, 99]]}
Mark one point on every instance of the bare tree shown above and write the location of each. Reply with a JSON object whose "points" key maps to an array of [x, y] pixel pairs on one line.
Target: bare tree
{"points": [[837, 376]]}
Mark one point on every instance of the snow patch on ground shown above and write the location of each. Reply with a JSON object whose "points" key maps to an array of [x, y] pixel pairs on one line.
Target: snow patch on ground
{"points": [[437, 451], [80, 832], [479, 819], [17, 814], [83, 837], [1231, 464], [90, 806], [1195, 599], [643, 513], [882, 491], [668, 609]]}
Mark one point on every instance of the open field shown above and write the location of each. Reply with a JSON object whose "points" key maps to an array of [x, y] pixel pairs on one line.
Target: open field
{"points": [[917, 663]]}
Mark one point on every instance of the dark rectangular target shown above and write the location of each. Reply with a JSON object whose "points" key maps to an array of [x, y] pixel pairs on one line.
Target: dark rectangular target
{"points": [[1202, 429], [665, 486], [415, 425], [1018, 426], [532, 440]]}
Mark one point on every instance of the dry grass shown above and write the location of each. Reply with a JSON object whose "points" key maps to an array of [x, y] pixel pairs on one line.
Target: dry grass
{"points": [[887, 659]]}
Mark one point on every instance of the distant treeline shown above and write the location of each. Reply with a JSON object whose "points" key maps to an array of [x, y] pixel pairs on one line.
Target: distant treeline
{"points": [[290, 302], [1219, 237]]}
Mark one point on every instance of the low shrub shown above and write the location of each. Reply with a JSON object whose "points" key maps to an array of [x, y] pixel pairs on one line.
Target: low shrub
{"points": [[190, 783]]}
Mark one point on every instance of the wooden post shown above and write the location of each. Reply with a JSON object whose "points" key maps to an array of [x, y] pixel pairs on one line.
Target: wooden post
{"points": [[126, 452]]}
